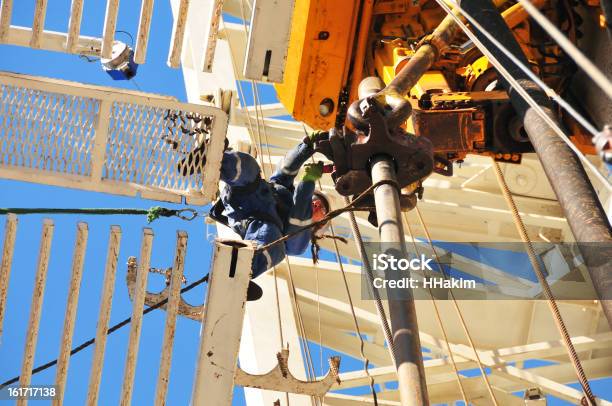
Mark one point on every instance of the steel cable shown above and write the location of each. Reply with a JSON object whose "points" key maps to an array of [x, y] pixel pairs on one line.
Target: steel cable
{"points": [[581, 60], [552, 303], [379, 307], [439, 319], [364, 358], [458, 310]]}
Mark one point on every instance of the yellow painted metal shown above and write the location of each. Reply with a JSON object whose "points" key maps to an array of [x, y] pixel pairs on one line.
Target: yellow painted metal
{"points": [[318, 57], [432, 81]]}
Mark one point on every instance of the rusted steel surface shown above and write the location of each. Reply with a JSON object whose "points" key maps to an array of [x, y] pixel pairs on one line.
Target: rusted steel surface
{"points": [[71, 311], [136, 324], [459, 130], [151, 299], [36, 307], [280, 378], [106, 300], [10, 232]]}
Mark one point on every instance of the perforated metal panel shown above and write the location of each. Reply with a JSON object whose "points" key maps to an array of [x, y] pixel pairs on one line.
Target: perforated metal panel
{"points": [[93, 138]]}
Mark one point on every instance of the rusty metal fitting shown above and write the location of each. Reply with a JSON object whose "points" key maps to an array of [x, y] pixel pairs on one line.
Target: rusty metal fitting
{"points": [[353, 152]]}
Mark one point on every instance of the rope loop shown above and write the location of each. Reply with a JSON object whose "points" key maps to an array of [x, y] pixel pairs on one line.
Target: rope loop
{"points": [[156, 212], [191, 214]]}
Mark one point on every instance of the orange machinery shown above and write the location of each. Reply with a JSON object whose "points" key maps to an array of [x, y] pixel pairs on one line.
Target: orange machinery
{"points": [[456, 104]]}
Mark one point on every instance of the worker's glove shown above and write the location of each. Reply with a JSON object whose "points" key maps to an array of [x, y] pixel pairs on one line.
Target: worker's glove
{"points": [[315, 136], [313, 171]]}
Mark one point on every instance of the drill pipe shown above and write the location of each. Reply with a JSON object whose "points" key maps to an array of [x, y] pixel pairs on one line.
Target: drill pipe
{"points": [[402, 311]]}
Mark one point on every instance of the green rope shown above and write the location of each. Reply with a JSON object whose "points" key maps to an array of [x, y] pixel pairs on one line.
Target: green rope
{"points": [[152, 214]]}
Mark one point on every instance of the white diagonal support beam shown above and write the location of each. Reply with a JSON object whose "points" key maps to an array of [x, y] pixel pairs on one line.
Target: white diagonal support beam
{"points": [[176, 279], [40, 282], [74, 25], [136, 322], [144, 28], [71, 311], [38, 25], [106, 300], [110, 26], [10, 233]]}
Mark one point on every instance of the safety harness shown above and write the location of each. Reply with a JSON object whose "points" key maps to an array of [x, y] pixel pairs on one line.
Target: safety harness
{"points": [[216, 211]]}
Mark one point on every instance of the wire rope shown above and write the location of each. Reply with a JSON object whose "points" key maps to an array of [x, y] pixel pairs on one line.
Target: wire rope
{"points": [[458, 310], [364, 358], [439, 319], [550, 298], [592, 71]]}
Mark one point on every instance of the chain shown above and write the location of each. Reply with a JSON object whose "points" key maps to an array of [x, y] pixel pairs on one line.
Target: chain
{"points": [[167, 272]]}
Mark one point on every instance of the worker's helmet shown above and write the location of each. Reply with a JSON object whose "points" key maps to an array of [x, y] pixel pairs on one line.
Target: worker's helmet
{"points": [[320, 208]]}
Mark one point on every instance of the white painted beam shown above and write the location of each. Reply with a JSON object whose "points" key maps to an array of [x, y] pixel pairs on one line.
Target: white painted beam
{"points": [[222, 322], [106, 300], [144, 263], [10, 233], [214, 19], [110, 26], [38, 25], [176, 279], [268, 41], [74, 25], [36, 307], [144, 28], [74, 289], [5, 19], [178, 34]]}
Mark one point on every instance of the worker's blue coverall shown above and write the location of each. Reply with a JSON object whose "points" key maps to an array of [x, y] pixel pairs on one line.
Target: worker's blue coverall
{"points": [[270, 209]]}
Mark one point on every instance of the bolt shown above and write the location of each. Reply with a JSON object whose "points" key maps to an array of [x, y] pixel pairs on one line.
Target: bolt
{"points": [[324, 35], [326, 107]]}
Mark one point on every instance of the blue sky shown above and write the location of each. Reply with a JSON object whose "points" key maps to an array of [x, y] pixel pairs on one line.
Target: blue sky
{"points": [[154, 77]]}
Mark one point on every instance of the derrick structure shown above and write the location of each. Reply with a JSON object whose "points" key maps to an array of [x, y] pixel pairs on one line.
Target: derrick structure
{"points": [[311, 300], [468, 206]]}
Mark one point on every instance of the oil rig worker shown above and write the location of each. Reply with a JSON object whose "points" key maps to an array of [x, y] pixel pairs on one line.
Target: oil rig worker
{"points": [[264, 211]]}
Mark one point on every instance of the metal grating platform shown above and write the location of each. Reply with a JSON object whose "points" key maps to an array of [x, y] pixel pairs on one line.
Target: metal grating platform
{"points": [[92, 138]]}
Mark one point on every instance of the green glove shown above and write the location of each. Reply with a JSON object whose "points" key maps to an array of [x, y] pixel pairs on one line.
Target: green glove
{"points": [[315, 136], [313, 171]]}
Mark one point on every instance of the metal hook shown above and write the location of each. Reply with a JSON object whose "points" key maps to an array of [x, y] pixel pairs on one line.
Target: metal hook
{"points": [[280, 378], [191, 216], [151, 299]]}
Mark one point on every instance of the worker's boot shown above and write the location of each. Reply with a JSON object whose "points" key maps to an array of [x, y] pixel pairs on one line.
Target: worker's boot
{"points": [[254, 292]]}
